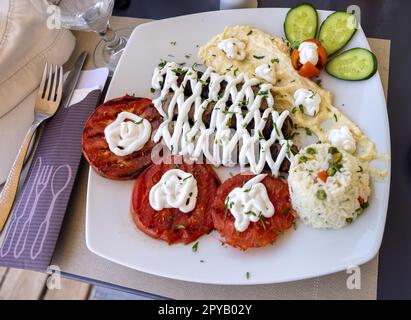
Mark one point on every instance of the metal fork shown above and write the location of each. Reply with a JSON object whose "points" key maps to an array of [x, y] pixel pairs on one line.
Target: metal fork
{"points": [[47, 102]]}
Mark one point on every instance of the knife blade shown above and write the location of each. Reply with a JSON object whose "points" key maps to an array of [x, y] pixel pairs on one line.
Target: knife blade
{"points": [[72, 79]]}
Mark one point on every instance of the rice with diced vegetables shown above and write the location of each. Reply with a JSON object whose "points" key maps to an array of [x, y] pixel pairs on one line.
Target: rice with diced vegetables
{"points": [[329, 188]]}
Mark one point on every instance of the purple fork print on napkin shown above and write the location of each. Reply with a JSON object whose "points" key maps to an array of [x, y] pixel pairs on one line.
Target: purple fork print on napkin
{"points": [[38, 213]]}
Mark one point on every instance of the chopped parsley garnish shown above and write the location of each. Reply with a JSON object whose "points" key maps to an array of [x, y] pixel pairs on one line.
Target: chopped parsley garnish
{"points": [[260, 135], [195, 65], [139, 121], [294, 110], [251, 213], [335, 117], [186, 178], [152, 90], [295, 224], [275, 60], [203, 82], [247, 190], [311, 151], [190, 194], [301, 107], [162, 63], [250, 33], [194, 248], [349, 220], [178, 71], [188, 55], [229, 122], [308, 132], [243, 103], [312, 94], [276, 129], [173, 43], [228, 205], [262, 93], [321, 195], [303, 159], [247, 275], [359, 211], [288, 150], [235, 72], [365, 205], [332, 150], [331, 171], [337, 157], [318, 82], [258, 57]]}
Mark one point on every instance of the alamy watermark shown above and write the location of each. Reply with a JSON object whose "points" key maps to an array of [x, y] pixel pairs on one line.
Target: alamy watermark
{"points": [[53, 17], [54, 280], [354, 279]]}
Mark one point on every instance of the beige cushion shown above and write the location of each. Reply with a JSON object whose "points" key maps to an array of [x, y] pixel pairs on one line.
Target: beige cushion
{"points": [[25, 45]]}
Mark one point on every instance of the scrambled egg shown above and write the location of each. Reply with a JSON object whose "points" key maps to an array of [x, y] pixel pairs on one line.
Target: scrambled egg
{"points": [[261, 48]]}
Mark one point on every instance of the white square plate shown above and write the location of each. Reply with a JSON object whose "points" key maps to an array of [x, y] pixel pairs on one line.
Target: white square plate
{"points": [[299, 254]]}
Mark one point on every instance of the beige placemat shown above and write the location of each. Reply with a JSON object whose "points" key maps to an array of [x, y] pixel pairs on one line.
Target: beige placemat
{"points": [[72, 255]]}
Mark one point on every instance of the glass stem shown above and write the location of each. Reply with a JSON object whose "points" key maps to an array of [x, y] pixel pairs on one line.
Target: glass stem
{"points": [[113, 41]]}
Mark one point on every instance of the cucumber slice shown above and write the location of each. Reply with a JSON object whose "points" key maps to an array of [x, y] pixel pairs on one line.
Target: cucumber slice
{"points": [[353, 65], [337, 30], [300, 24]]}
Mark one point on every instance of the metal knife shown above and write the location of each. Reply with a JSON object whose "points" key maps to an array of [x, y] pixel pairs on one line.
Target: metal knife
{"points": [[72, 79]]}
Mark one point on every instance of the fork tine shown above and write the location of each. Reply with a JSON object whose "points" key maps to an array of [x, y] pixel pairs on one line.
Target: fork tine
{"points": [[60, 86], [53, 89], [47, 92], [44, 177], [41, 174], [49, 172], [43, 82]]}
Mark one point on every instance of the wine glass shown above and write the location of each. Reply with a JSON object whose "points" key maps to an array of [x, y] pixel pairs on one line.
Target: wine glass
{"points": [[94, 15]]}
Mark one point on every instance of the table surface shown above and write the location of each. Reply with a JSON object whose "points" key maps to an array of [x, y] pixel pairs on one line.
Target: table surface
{"points": [[387, 19]]}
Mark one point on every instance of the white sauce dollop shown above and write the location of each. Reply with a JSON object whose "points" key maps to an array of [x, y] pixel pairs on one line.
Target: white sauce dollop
{"points": [[266, 72], [233, 48], [308, 52], [218, 142], [176, 189], [249, 203], [309, 99], [342, 138], [127, 134]]}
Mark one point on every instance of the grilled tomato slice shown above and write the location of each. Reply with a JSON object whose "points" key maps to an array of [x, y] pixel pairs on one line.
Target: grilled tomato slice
{"points": [[260, 233], [96, 149], [171, 224]]}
